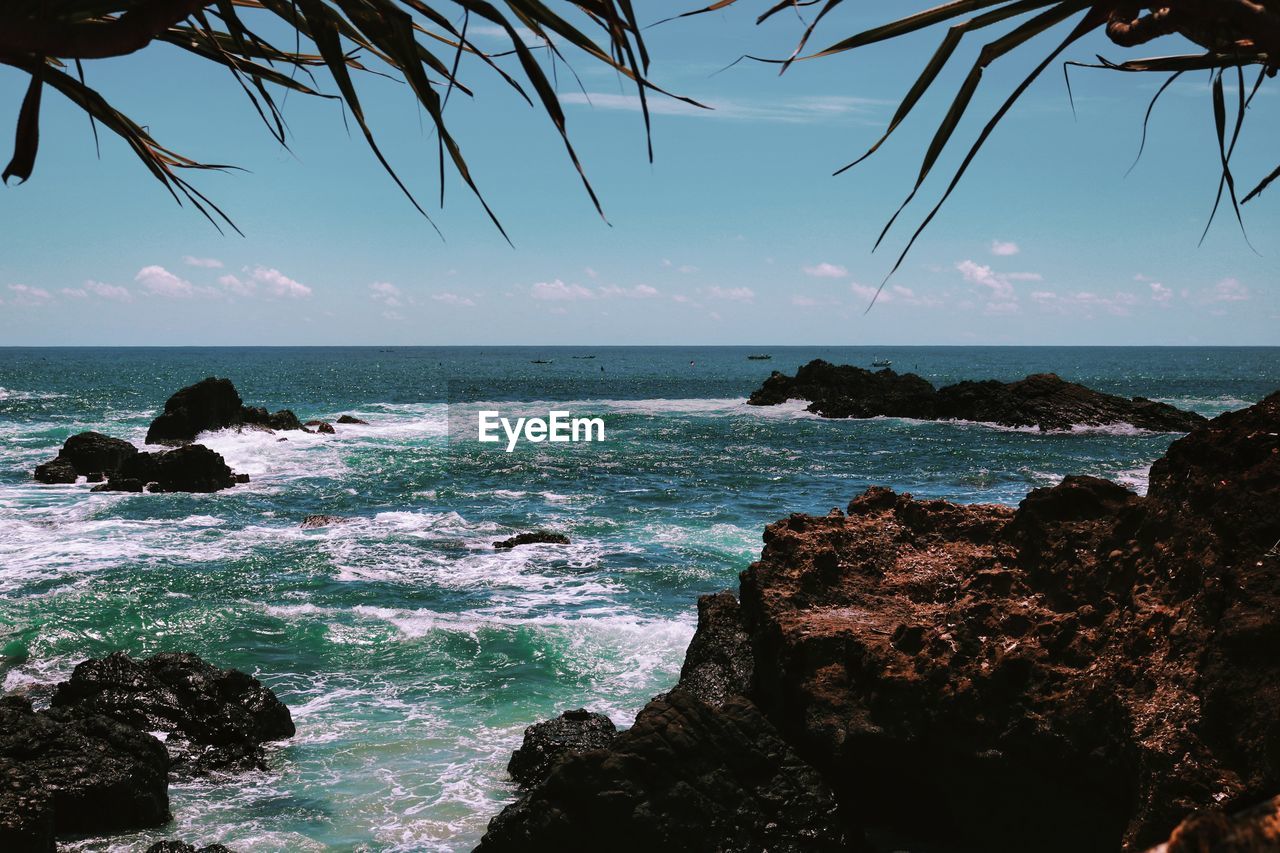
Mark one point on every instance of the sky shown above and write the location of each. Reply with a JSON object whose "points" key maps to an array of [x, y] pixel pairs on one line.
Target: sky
{"points": [[736, 233]]}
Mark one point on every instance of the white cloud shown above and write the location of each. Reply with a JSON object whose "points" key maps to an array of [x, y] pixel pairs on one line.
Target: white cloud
{"points": [[207, 263], [27, 295], [277, 283], [235, 285], [386, 293], [75, 293], [113, 292], [866, 292], [1004, 248], [732, 294], [640, 291], [999, 285], [558, 291], [1086, 302], [1228, 290], [158, 281], [454, 299], [796, 110], [803, 301], [826, 270], [1160, 293]]}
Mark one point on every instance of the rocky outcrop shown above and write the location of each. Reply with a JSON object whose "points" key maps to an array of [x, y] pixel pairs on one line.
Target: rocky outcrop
{"points": [[350, 419], [1042, 400], [64, 771], [1099, 663], [86, 454], [190, 468], [684, 777], [215, 719], [313, 521], [171, 846], [1081, 673], [533, 537], [1253, 830], [718, 664], [547, 743], [321, 427], [211, 404]]}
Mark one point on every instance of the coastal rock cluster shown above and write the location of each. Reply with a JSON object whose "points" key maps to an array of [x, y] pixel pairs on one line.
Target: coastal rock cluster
{"points": [[1095, 670], [1042, 400], [92, 763], [531, 537], [210, 404]]}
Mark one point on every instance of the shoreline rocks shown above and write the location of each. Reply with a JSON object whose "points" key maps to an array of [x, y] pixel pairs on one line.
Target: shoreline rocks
{"points": [[547, 743], [1083, 672], [190, 468], [1043, 400], [216, 719]]}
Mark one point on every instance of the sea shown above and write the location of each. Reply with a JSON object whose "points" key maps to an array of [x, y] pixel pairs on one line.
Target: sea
{"points": [[412, 653]]}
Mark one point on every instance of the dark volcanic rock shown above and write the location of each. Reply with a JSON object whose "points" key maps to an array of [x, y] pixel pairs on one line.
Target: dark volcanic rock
{"points": [[57, 470], [849, 392], [323, 520], [217, 719], [190, 468], [210, 404], [1042, 400], [87, 454], [685, 777], [258, 416], [26, 809], [1254, 830], [86, 773], [348, 419], [172, 846], [718, 663], [534, 537], [321, 427], [546, 743], [1098, 664]]}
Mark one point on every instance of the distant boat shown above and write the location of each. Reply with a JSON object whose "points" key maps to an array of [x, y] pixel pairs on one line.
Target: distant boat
{"points": [[584, 356], [881, 362], [759, 357], [539, 361]]}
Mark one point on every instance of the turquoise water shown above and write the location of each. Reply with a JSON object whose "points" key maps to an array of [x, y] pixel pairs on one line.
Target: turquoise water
{"points": [[411, 654]]}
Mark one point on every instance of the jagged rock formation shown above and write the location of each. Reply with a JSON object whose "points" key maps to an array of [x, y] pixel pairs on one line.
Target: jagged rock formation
{"points": [[1252, 830], [534, 537], [211, 404], [171, 846], [66, 771], [190, 468], [1082, 673], [312, 521], [547, 743], [216, 719], [351, 419], [86, 454], [1042, 400]]}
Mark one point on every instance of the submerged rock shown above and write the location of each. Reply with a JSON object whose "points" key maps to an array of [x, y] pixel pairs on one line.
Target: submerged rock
{"points": [[71, 772], [547, 743], [1042, 400], [349, 419], [535, 537], [172, 846], [323, 520], [684, 777], [321, 427], [211, 404], [216, 719], [86, 454]]}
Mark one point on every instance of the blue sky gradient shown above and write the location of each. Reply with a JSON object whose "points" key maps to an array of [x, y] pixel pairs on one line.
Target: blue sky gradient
{"points": [[736, 234]]}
